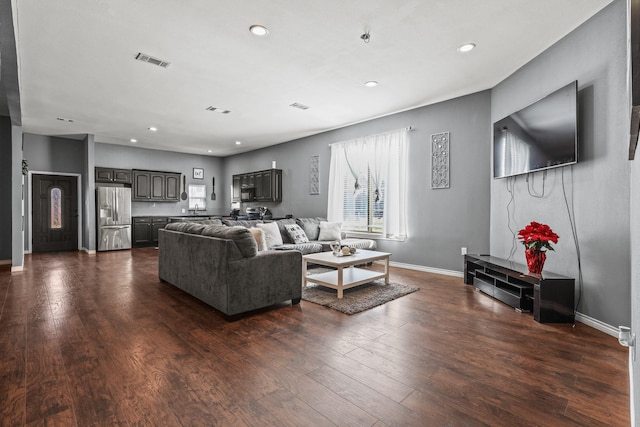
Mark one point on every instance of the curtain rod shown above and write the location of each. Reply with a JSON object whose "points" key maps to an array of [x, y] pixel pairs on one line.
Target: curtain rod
{"points": [[408, 129]]}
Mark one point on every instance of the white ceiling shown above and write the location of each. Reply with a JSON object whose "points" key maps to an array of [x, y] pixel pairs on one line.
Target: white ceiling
{"points": [[76, 61]]}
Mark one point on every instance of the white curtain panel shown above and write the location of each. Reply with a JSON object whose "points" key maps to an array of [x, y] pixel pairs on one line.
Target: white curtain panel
{"points": [[386, 156]]}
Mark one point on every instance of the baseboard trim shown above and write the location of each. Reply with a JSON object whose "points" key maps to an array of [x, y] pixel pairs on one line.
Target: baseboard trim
{"points": [[597, 324], [89, 251], [17, 268], [427, 269], [5, 262]]}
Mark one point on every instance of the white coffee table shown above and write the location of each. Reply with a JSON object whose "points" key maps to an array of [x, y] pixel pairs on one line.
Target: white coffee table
{"points": [[345, 278]]}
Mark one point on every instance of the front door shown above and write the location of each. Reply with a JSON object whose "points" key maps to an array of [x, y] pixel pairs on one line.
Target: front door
{"points": [[55, 213]]}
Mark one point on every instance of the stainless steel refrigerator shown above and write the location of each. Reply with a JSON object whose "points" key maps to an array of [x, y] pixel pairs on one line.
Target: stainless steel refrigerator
{"points": [[114, 218]]}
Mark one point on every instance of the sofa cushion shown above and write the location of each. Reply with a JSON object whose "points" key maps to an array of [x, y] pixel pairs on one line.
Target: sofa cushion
{"points": [[304, 248], [258, 235], [241, 236], [330, 231], [271, 234], [185, 227], [211, 222], [311, 226], [244, 223], [283, 232], [296, 234]]}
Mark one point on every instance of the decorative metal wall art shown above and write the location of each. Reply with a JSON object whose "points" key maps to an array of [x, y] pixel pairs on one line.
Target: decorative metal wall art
{"points": [[440, 160], [314, 175]]}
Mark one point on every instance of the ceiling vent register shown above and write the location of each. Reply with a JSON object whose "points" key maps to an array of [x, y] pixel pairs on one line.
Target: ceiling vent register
{"points": [[218, 109], [299, 106], [151, 60]]}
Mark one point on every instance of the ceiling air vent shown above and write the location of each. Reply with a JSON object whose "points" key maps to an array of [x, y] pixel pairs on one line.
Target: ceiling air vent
{"points": [[151, 60], [217, 109], [299, 106]]}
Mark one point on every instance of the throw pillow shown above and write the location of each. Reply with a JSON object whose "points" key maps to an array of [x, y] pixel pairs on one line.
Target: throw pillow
{"points": [[271, 234], [296, 233], [329, 231], [258, 235], [310, 226]]}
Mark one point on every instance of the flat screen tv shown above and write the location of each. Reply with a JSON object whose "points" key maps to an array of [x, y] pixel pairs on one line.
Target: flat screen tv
{"points": [[540, 136]]}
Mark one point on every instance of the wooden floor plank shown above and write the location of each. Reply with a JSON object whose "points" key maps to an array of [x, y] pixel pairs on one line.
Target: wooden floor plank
{"points": [[99, 340]]}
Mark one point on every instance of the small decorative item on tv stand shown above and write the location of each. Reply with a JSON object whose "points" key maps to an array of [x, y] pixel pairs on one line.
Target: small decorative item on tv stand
{"points": [[536, 237]]}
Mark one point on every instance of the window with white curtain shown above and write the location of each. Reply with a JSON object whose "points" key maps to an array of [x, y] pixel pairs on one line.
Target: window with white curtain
{"points": [[367, 184]]}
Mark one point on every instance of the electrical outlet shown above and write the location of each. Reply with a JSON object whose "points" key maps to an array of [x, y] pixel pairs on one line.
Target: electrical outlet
{"points": [[463, 251], [184, 210]]}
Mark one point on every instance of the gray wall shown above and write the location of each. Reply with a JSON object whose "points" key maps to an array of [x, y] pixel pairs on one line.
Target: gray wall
{"points": [[54, 154], [595, 55], [635, 278], [119, 156], [440, 221], [5, 189], [88, 195], [17, 195]]}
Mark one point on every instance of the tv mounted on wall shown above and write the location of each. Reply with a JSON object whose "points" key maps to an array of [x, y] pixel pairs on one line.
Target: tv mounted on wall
{"points": [[540, 136]]}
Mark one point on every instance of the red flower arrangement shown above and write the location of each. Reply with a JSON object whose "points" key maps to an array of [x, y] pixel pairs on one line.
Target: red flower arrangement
{"points": [[537, 236]]}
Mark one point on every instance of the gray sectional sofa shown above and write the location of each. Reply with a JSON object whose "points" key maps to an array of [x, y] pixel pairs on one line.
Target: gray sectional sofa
{"points": [[221, 266]]}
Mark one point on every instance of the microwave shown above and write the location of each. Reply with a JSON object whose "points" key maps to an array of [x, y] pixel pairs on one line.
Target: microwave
{"points": [[247, 194]]}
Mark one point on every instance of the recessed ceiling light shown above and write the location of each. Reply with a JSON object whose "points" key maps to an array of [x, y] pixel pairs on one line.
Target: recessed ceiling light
{"points": [[132, 140], [209, 151], [238, 142], [466, 47], [153, 128], [259, 30], [371, 83]]}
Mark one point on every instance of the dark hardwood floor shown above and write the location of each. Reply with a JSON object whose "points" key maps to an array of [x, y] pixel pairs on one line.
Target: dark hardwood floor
{"points": [[99, 340]]}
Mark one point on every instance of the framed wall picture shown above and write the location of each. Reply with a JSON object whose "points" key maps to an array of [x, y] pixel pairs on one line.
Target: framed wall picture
{"points": [[198, 173]]}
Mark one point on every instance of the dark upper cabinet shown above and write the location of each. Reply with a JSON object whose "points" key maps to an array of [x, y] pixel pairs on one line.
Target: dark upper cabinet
{"points": [[237, 185], [157, 186], [113, 175], [141, 186], [172, 187], [153, 186], [266, 185]]}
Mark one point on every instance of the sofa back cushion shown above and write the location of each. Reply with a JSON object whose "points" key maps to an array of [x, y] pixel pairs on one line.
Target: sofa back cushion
{"points": [[241, 236], [185, 227], [244, 223], [271, 234], [283, 232], [310, 226]]}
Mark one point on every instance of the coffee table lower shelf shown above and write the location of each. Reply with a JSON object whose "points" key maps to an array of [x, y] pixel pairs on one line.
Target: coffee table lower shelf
{"points": [[351, 277]]}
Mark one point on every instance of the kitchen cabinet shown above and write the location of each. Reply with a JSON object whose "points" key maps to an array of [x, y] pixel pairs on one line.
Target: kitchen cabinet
{"points": [[145, 230], [266, 186], [151, 186], [237, 185], [103, 174]]}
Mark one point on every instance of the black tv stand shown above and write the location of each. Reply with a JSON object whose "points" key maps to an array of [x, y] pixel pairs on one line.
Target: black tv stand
{"points": [[550, 296]]}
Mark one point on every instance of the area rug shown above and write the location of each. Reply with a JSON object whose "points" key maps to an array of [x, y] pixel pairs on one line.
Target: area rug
{"points": [[357, 299]]}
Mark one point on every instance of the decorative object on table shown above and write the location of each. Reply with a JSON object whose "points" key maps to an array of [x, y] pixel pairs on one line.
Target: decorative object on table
{"points": [[314, 175], [440, 160], [335, 247], [25, 167], [358, 299], [213, 188], [536, 237], [198, 173]]}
